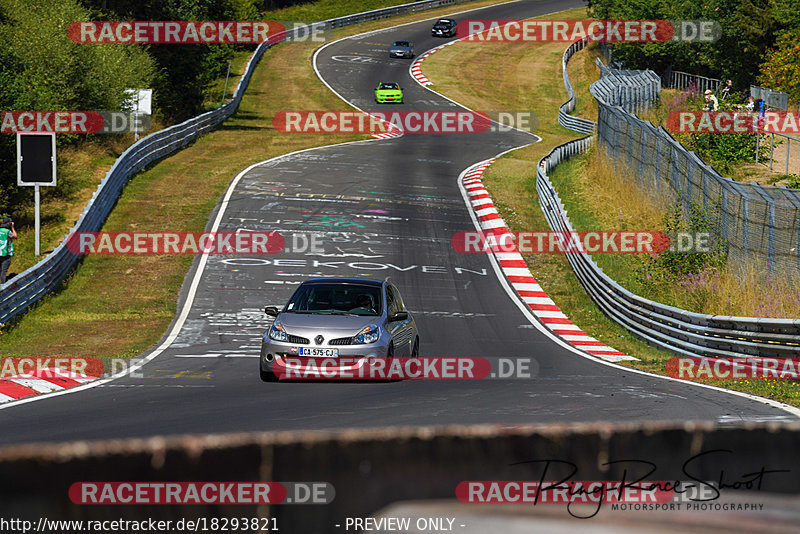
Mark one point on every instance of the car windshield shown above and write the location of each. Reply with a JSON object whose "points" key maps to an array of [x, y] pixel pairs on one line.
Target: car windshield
{"points": [[442, 24], [386, 85], [404, 44], [336, 299]]}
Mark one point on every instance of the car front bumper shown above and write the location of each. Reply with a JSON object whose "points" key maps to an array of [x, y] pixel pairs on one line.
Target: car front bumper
{"points": [[350, 357], [388, 99]]}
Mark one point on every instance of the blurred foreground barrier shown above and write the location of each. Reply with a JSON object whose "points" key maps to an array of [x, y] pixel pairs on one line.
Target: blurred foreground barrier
{"points": [[373, 468]]}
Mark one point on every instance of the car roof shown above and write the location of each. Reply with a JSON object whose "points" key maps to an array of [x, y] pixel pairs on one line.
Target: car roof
{"points": [[344, 280], [403, 41], [445, 20]]}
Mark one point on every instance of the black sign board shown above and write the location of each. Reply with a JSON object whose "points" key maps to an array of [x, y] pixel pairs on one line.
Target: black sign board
{"points": [[36, 159]]}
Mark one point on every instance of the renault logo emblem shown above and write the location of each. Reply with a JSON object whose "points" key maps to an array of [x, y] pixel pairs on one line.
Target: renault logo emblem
{"points": [[319, 340]]}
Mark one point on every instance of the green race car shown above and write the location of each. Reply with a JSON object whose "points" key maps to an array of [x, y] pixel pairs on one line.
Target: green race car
{"points": [[387, 92]]}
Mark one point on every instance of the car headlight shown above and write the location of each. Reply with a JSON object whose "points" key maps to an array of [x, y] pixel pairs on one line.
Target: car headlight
{"points": [[277, 332], [369, 334]]}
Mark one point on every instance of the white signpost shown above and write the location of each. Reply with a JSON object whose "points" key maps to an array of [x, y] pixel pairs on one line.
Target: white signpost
{"points": [[138, 101], [36, 166]]}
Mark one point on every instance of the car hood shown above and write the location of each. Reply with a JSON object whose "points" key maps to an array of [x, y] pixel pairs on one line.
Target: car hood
{"points": [[389, 92], [400, 49], [302, 324]]}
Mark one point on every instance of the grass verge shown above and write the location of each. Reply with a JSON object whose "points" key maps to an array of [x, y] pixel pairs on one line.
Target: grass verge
{"points": [[508, 76]]}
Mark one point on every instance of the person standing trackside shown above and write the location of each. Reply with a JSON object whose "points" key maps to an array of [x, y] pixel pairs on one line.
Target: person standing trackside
{"points": [[727, 89], [712, 104], [7, 234]]}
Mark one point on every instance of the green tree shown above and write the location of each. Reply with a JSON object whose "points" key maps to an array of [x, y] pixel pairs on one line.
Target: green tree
{"points": [[781, 68], [184, 70], [42, 69], [748, 28]]}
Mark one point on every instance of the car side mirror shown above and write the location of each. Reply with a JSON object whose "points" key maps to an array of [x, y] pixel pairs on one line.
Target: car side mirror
{"points": [[272, 311], [399, 316]]}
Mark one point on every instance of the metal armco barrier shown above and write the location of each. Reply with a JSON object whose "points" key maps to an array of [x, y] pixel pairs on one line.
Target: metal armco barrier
{"points": [[670, 328], [564, 118], [699, 84], [25, 289], [772, 99], [632, 90]]}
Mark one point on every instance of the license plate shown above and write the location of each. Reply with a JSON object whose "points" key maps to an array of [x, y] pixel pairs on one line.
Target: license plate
{"points": [[324, 353]]}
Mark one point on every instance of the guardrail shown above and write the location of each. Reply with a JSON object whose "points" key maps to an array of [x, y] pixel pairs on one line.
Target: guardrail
{"points": [[564, 118], [772, 99], [632, 90], [685, 80], [25, 289], [679, 331]]}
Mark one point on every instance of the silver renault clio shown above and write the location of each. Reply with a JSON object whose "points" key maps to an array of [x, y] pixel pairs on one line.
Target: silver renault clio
{"points": [[354, 319]]}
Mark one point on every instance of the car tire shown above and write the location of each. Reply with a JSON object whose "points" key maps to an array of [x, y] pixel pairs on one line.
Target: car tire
{"points": [[389, 359], [415, 350]]}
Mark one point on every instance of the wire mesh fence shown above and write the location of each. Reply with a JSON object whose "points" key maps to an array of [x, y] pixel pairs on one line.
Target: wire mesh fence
{"points": [[760, 226]]}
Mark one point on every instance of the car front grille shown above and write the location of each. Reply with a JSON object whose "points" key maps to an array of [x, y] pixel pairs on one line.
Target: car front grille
{"points": [[341, 341], [296, 339]]}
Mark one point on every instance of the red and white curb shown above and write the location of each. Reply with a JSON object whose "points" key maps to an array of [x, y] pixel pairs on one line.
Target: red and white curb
{"points": [[394, 131], [18, 387], [519, 276], [416, 71]]}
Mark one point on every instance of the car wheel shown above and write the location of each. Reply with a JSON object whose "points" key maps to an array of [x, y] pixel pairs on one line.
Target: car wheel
{"points": [[267, 376], [415, 350], [389, 360]]}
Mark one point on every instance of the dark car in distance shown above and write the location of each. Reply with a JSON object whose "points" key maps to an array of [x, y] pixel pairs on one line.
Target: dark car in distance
{"points": [[444, 28]]}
